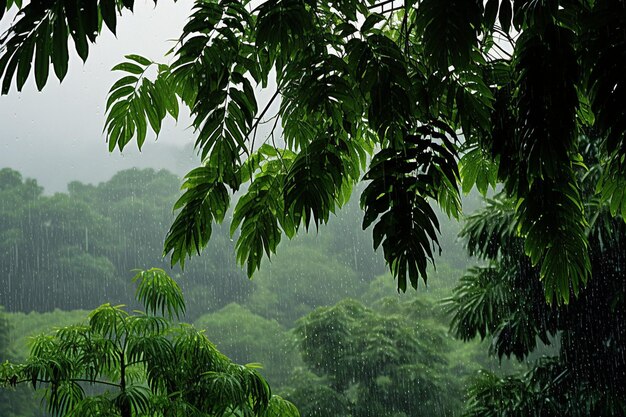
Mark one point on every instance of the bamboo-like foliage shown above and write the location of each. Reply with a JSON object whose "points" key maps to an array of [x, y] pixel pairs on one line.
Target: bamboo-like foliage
{"points": [[141, 364]]}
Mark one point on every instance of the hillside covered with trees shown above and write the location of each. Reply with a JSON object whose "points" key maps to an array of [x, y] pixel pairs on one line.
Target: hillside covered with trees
{"points": [[118, 225]]}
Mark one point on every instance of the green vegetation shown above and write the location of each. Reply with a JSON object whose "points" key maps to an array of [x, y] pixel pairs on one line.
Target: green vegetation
{"points": [[88, 241], [141, 364], [24, 325], [351, 358], [380, 88], [254, 321], [389, 364], [327, 333], [287, 290], [503, 300], [415, 100], [246, 337], [392, 358]]}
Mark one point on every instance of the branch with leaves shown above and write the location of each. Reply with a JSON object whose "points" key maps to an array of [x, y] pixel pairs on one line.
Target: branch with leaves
{"points": [[517, 81]]}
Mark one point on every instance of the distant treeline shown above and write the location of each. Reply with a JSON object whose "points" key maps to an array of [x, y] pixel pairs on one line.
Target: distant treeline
{"points": [[75, 250]]}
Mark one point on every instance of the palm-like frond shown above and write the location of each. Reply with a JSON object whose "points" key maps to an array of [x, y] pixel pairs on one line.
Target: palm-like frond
{"points": [[142, 364]]}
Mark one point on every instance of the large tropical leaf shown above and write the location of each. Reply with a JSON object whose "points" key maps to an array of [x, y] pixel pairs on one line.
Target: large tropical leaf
{"points": [[396, 199], [205, 201], [136, 102]]}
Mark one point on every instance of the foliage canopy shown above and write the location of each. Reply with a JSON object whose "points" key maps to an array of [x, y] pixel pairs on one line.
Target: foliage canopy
{"points": [[399, 94], [502, 301]]}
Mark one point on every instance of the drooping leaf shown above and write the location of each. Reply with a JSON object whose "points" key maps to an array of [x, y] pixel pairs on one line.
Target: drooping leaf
{"points": [[449, 30], [159, 293], [204, 201], [42, 57], [478, 169], [135, 101], [401, 182], [60, 54]]}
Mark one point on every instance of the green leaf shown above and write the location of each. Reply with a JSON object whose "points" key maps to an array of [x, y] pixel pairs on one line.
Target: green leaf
{"points": [[42, 56], [118, 94], [108, 10], [159, 293], [129, 79], [128, 67], [75, 23], [491, 11], [60, 56], [139, 59], [476, 168], [506, 15], [25, 61], [204, 201], [11, 66], [313, 183], [3, 8], [150, 105], [139, 118], [278, 407], [371, 20], [449, 31], [401, 181], [611, 185], [551, 221], [131, 105], [90, 19]]}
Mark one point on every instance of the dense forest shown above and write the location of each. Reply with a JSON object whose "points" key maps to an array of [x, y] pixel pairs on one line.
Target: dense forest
{"points": [[321, 317], [329, 283]]}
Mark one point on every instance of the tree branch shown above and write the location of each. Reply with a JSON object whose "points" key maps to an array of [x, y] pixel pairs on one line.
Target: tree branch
{"points": [[258, 120]]}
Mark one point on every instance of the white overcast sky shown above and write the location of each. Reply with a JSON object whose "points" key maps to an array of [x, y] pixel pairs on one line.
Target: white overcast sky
{"points": [[56, 136]]}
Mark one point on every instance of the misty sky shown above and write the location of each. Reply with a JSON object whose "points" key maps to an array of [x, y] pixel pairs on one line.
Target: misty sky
{"points": [[56, 135]]}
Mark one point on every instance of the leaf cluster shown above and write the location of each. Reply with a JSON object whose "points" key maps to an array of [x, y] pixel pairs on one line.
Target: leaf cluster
{"points": [[377, 360]]}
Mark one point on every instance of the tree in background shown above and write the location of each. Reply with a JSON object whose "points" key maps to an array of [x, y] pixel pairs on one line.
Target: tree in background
{"points": [[246, 337], [69, 250], [4, 334], [5, 404], [22, 401], [301, 279], [142, 364], [342, 239], [383, 88], [53, 249], [364, 362], [138, 203], [503, 300]]}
